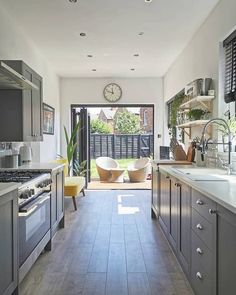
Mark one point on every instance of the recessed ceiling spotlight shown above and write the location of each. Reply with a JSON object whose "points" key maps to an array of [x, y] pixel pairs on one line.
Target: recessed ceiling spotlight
{"points": [[73, 1], [148, 1], [89, 55], [82, 34], [141, 33], [136, 54], [94, 70], [132, 69]]}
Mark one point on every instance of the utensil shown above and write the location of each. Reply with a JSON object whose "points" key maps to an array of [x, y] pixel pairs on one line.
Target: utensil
{"points": [[179, 153]]}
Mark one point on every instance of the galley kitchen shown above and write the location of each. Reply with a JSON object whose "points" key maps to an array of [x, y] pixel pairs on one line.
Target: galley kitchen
{"points": [[117, 147]]}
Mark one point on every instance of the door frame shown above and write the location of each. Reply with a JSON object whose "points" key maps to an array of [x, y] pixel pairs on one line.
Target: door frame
{"points": [[107, 105]]}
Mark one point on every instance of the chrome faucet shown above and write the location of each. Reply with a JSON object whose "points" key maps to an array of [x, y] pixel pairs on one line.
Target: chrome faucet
{"points": [[218, 121]]}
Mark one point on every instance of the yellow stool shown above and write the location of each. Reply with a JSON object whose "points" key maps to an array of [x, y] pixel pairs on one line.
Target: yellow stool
{"points": [[73, 185]]}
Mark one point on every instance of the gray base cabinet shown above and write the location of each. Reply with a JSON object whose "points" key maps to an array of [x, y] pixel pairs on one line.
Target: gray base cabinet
{"points": [[57, 200], [202, 235], [21, 110], [164, 215], [8, 243], [175, 217], [184, 225], [203, 254], [226, 251], [155, 191]]}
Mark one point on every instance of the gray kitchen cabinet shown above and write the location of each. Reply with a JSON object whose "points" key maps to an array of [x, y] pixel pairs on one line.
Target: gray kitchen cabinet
{"points": [[174, 214], [164, 213], [9, 243], [202, 234], [155, 191], [21, 110], [175, 217], [204, 245], [184, 225], [57, 200], [226, 251]]}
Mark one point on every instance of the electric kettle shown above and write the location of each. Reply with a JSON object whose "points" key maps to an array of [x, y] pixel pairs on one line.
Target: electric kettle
{"points": [[25, 153]]}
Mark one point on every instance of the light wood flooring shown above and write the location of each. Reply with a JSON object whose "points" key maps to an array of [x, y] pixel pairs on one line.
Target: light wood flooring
{"points": [[109, 246], [96, 184]]}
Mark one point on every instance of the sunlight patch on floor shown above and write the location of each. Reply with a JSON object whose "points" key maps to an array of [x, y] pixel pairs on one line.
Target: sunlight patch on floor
{"points": [[123, 210]]}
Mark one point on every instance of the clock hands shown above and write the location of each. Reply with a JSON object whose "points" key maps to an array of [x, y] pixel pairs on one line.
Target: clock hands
{"points": [[112, 92]]}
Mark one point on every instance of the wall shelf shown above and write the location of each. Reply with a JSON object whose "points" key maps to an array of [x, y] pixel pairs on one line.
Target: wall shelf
{"points": [[202, 100], [192, 123]]}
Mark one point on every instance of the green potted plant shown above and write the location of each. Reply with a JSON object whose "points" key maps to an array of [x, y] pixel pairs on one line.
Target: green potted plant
{"points": [[79, 168], [195, 114], [175, 108]]}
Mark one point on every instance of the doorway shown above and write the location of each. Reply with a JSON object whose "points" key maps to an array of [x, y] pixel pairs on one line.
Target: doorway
{"points": [[121, 132]]}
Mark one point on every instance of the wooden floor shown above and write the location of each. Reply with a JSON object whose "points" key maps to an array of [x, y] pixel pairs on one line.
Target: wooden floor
{"points": [[109, 246], [119, 186]]}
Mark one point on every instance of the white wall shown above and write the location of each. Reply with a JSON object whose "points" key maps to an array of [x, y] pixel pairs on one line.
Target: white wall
{"points": [[90, 91], [15, 45], [201, 57]]}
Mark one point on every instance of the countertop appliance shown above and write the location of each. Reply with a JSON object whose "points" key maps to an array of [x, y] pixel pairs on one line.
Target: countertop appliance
{"points": [[34, 199], [26, 154]]}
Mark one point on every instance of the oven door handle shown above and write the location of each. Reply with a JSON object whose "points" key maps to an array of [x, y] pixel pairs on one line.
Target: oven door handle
{"points": [[25, 211]]}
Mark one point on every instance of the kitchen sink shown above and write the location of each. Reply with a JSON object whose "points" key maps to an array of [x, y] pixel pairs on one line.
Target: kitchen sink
{"points": [[201, 171], [203, 174]]}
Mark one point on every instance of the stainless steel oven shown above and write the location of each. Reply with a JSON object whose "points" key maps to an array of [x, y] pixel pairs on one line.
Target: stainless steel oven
{"points": [[34, 200], [34, 224]]}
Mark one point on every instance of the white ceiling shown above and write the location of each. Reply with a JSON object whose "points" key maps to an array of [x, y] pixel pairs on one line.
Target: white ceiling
{"points": [[112, 28]]}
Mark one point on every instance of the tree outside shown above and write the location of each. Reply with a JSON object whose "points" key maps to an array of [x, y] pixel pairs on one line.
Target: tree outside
{"points": [[100, 127], [127, 123]]}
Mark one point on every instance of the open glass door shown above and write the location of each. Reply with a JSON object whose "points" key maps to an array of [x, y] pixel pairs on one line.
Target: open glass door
{"points": [[83, 138]]}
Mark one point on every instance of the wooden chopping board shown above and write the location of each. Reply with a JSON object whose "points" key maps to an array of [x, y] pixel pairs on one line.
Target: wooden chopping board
{"points": [[179, 153], [191, 153]]}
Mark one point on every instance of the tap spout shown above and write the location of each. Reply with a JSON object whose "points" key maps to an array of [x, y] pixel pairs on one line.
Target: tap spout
{"points": [[218, 121]]}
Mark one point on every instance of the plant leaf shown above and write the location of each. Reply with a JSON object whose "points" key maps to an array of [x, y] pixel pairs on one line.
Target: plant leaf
{"points": [[66, 135]]}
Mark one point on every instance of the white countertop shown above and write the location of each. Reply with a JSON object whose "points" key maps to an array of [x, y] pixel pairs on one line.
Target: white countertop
{"points": [[8, 187], [222, 192], [170, 162], [36, 166]]}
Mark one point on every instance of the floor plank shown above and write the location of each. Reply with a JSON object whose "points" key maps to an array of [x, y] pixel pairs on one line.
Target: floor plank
{"points": [[110, 245], [138, 284]]}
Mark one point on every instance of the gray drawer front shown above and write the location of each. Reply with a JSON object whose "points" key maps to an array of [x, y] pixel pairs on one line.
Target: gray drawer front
{"points": [[202, 254], [203, 228], [203, 204], [203, 285]]}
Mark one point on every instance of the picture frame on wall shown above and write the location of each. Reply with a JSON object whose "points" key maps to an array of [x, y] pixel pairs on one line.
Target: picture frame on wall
{"points": [[48, 119]]}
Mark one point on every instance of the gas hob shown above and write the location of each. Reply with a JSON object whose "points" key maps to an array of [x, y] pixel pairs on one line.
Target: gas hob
{"points": [[18, 176]]}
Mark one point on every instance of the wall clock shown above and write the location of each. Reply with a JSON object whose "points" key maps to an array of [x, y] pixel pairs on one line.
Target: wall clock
{"points": [[112, 92]]}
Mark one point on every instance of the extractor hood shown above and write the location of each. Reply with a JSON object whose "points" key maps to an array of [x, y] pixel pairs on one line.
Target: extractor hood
{"points": [[10, 79]]}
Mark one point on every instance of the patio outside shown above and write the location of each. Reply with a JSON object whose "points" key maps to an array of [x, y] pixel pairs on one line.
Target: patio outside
{"points": [[123, 134]]}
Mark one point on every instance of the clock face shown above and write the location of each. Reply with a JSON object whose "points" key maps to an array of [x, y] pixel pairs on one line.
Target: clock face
{"points": [[112, 92]]}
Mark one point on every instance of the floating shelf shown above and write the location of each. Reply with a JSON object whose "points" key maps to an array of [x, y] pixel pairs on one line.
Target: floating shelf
{"points": [[192, 123], [196, 101]]}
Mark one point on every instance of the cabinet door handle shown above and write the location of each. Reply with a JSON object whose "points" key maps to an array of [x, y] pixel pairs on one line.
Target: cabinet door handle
{"points": [[199, 202], [199, 226], [167, 177], [212, 211], [199, 251], [199, 275]]}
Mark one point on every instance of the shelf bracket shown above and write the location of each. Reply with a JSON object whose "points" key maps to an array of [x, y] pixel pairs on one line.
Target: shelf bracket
{"points": [[204, 105], [188, 133]]}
